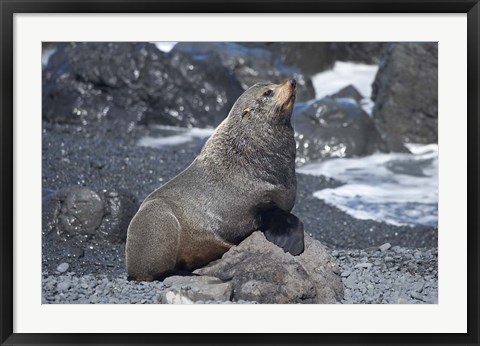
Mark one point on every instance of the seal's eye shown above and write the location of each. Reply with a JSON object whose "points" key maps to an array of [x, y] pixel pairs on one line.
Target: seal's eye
{"points": [[268, 93]]}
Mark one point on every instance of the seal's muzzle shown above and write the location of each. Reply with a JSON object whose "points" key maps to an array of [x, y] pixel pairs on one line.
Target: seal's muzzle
{"points": [[286, 94]]}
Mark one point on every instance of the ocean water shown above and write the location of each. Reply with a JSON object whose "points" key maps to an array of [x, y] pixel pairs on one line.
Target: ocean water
{"points": [[46, 54], [361, 76], [400, 189]]}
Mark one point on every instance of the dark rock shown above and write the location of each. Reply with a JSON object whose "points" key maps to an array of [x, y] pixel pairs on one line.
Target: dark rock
{"points": [[310, 58], [361, 52], [320, 56], [206, 94], [335, 128], [349, 92], [81, 213], [132, 83], [261, 271], [405, 92], [249, 64], [73, 251], [119, 210]]}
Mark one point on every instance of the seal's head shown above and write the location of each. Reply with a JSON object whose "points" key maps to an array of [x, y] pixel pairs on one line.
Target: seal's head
{"points": [[273, 102], [257, 136]]}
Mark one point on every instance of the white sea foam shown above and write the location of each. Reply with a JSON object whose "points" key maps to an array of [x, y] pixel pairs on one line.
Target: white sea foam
{"points": [[46, 54], [400, 189], [165, 46], [170, 135], [361, 76]]}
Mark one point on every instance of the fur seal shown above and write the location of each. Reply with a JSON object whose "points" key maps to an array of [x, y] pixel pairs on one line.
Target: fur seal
{"points": [[243, 180]]}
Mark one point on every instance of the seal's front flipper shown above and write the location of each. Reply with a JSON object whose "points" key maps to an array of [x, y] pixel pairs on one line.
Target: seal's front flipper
{"points": [[284, 230]]}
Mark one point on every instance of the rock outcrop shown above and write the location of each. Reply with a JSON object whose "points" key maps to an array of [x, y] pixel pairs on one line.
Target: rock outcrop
{"points": [[405, 92], [260, 271], [250, 65], [321, 56], [134, 83], [331, 128]]}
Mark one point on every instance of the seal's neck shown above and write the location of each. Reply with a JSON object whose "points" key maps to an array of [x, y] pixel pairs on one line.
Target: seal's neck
{"points": [[267, 151]]}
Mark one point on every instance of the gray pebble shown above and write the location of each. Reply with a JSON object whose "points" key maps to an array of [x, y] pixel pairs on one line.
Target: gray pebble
{"points": [[365, 265], [419, 286], [416, 295], [385, 247], [384, 284], [350, 283], [63, 286], [50, 285], [62, 267], [346, 273]]}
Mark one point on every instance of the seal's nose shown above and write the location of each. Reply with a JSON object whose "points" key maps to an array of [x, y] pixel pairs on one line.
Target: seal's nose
{"points": [[293, 83]]}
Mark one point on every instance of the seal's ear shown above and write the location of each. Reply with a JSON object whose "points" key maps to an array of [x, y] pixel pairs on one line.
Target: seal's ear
{"points": [[284, 230]]}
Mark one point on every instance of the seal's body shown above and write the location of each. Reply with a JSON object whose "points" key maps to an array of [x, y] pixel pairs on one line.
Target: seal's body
{"points": [[243, 180]]}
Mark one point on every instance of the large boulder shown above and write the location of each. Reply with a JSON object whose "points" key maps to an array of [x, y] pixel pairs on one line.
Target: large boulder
{"points": [[360, 52], [249, 64], [320, 56], [348, 92], [261, 271], [405, 92], [131, 83], [335, 127], [78, 213], [309, 57]]}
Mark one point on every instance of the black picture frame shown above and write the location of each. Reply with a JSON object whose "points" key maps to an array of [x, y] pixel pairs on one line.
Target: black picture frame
{"points": [[9, 7]]}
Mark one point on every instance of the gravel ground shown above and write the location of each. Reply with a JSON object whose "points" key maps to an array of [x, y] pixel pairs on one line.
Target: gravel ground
{"points": [[393, 276], [406, 273], [68, 288]]}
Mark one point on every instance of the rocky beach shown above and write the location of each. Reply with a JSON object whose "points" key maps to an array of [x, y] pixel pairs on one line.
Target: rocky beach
{"points": [[121, 119]]}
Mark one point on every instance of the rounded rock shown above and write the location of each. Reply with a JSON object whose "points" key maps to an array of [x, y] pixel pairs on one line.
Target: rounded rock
{"points": [[63, 286], [62, 267]]}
